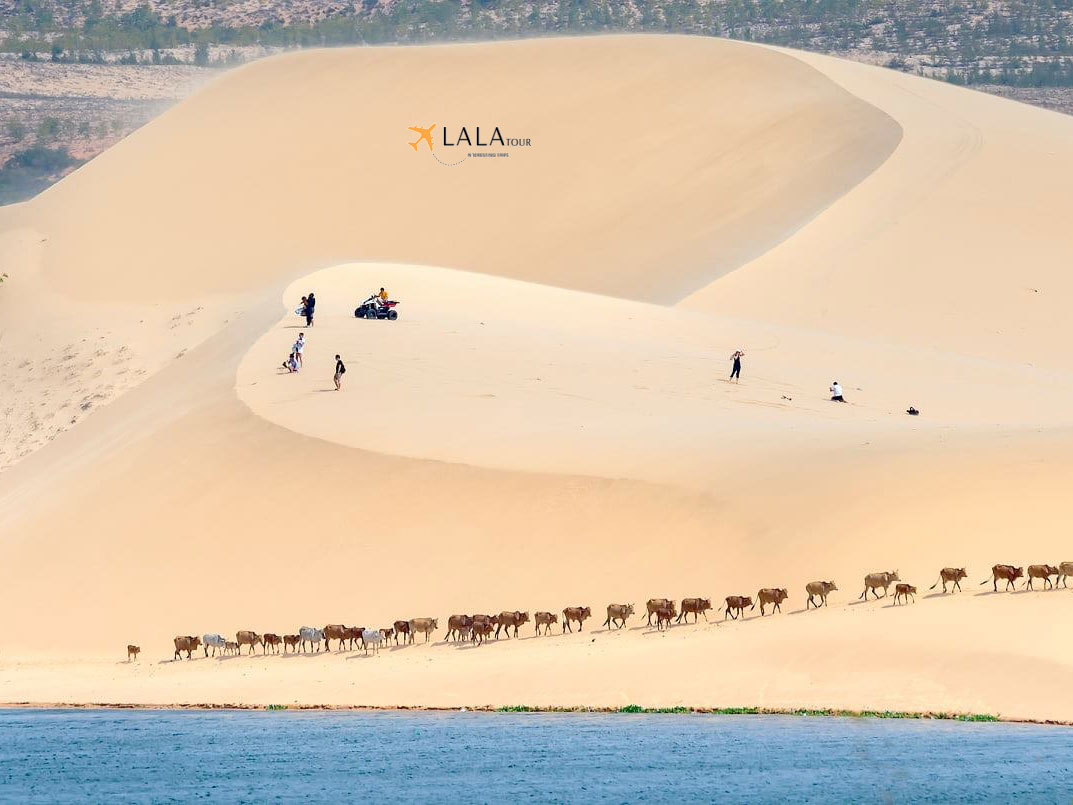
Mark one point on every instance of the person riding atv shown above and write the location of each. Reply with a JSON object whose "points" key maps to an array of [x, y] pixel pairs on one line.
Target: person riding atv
{"points": [[377, 306]]}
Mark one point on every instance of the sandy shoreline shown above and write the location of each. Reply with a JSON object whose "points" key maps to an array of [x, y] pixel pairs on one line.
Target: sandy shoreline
{"points": [[523, 709]]}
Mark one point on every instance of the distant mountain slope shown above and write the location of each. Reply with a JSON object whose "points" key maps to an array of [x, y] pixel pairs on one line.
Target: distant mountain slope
{"points": [[1014, 42]]}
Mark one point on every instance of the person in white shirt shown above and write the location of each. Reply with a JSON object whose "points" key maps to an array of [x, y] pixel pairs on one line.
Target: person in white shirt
{"points": [[836, 392], [300, 345]]}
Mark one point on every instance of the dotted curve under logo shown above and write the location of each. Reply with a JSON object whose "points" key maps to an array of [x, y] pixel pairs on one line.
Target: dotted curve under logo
{"points": [[449, 164]]}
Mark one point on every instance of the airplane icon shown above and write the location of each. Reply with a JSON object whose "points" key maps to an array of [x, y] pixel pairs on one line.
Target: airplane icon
{"points": [[426, 135]]}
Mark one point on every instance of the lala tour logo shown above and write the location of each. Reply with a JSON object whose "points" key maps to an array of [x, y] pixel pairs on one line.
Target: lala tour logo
{"points": [[479, 145]]}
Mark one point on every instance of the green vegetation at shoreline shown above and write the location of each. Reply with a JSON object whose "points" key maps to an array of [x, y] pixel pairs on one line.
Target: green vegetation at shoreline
{"points": [[760, 711]]}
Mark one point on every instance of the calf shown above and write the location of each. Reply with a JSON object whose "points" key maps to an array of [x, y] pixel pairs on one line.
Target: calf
{"points": [[1065, 570], [821, 589], [875, 580], [402, 629], [695, 606], [773, 596], [509, 619], [312, 636], [231, 648], [579, 614], [545, 619], [334, 631], [372, 638], [388, 632], [951, 575], [425, 625], [736, 605], [291, 640], [1041, 572], [273, 640], [618, 612], [482, 628], [664, 615], [905, 592], [247, 638], [1007, 573], [653, 604], [459, 627], [187, 643], [133, 652], [215, 640]]}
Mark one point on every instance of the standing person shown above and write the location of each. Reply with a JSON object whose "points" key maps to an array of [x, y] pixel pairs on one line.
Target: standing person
{"points": [[311, 303], [836, 392], [735, 372], [340, 370], [299, 347]]}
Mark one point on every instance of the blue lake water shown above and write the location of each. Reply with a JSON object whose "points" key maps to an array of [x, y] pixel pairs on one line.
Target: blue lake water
{"points": [[124, 755]]}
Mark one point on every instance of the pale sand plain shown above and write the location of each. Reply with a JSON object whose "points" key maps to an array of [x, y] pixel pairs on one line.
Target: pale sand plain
{"points": [[549, 422]]}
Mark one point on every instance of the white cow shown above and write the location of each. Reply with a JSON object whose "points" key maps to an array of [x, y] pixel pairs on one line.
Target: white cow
{"points": [[215, 640], [310, 635], [372, 637]]}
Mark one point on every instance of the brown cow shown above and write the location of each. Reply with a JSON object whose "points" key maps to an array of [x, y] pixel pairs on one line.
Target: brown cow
{"points": [[771, 595], [335, 631], [694, 606], [618, 612], [950, 575], [187, 643], [875, 580], [482, 628], [579, 614], [1065, 569], [247, 638], [905, 592], [230, 647], [273, 640], [508, 619], [291, 640], [388, 632], [652, 604], [821, 589], [737, 603], [426, 625], [664, 615], [545, 619], [1041, 572], [1007, 573], [402, 629], [133, 652], [459, 627], [353, 634]]}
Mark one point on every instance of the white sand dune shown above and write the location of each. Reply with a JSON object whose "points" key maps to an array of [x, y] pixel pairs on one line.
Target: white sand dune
{"points": [[544, 426]]}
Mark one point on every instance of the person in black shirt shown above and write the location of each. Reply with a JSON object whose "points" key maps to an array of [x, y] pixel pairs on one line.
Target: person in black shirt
{"points": [[311, 303], [340, 370]]}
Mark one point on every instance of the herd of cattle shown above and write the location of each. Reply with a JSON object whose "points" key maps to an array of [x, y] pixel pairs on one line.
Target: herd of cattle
{"points": [[478, 628]]}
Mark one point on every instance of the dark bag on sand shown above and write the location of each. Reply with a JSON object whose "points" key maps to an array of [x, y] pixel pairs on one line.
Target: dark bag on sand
{"points": [[912, 411]]}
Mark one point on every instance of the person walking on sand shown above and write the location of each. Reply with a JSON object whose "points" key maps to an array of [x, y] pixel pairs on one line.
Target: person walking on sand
{"points": [[311, 304], [299, 347], [735, 372], [836, 392], [340, 370]]}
